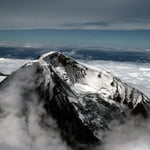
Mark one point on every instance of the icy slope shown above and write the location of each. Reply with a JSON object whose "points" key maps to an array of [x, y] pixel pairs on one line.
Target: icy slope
{"points": [[56, 94], [87, 80]]}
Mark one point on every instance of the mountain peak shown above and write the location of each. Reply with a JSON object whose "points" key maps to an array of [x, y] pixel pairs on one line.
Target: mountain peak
{"points": [[82, 101]]}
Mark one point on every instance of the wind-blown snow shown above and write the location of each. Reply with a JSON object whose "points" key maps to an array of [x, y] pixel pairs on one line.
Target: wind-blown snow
{"points": [[47, 54]]}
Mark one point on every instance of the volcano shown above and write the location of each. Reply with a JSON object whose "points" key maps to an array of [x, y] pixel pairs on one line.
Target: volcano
{"points": [[82, 101]]}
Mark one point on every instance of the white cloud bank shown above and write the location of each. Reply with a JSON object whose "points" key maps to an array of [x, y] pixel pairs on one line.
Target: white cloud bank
{"points": [[133, 135]]}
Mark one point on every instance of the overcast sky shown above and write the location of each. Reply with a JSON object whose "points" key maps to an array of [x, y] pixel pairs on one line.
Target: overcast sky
{"points": [[75, 14]]}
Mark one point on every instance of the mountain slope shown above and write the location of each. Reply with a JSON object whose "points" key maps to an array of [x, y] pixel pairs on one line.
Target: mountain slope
{"points": [[81, 100]]}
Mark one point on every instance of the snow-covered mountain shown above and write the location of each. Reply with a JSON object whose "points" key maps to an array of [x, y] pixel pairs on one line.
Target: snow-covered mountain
{"points": [[57, 94]]}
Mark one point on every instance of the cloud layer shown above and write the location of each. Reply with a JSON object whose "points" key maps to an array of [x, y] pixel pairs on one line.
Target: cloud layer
{"points": [[133, 135], [24, 123], [79, 14]]}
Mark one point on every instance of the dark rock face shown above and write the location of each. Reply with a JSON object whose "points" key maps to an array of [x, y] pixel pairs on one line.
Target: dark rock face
{"points": [[83, 101]]}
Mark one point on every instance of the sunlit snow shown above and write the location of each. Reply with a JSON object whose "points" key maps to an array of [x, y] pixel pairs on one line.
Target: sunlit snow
{"points": [[136, 74]]}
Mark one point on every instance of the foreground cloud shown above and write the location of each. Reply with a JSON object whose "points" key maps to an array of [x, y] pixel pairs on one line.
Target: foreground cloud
{"points": [[134, 135], [22, 117]]}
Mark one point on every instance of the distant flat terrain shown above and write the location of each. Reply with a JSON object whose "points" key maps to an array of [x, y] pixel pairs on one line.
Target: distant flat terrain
{"points": [[140, 56]]}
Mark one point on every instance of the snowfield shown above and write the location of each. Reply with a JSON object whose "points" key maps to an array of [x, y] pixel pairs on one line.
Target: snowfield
{"points": [[136, 74]]}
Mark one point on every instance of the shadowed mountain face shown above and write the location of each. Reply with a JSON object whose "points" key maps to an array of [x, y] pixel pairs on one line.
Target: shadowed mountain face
{"points": [[76, 101]]}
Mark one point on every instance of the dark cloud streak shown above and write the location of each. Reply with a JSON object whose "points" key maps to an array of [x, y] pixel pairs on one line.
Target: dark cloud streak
{"points": [[75, 14]]}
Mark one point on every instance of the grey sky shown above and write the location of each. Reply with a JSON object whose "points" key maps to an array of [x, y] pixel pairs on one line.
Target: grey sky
{"points": [[75, 14]]}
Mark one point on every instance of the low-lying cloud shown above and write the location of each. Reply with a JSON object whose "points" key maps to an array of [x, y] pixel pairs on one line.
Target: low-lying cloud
{"points": [[133, 135], [24, 123]]}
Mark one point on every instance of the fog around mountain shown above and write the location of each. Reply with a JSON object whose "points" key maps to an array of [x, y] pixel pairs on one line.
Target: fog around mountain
{"points": [[134, 135]]}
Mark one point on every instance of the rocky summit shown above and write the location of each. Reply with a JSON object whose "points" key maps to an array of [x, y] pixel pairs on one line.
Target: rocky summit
{"points": [[82, 101]]}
